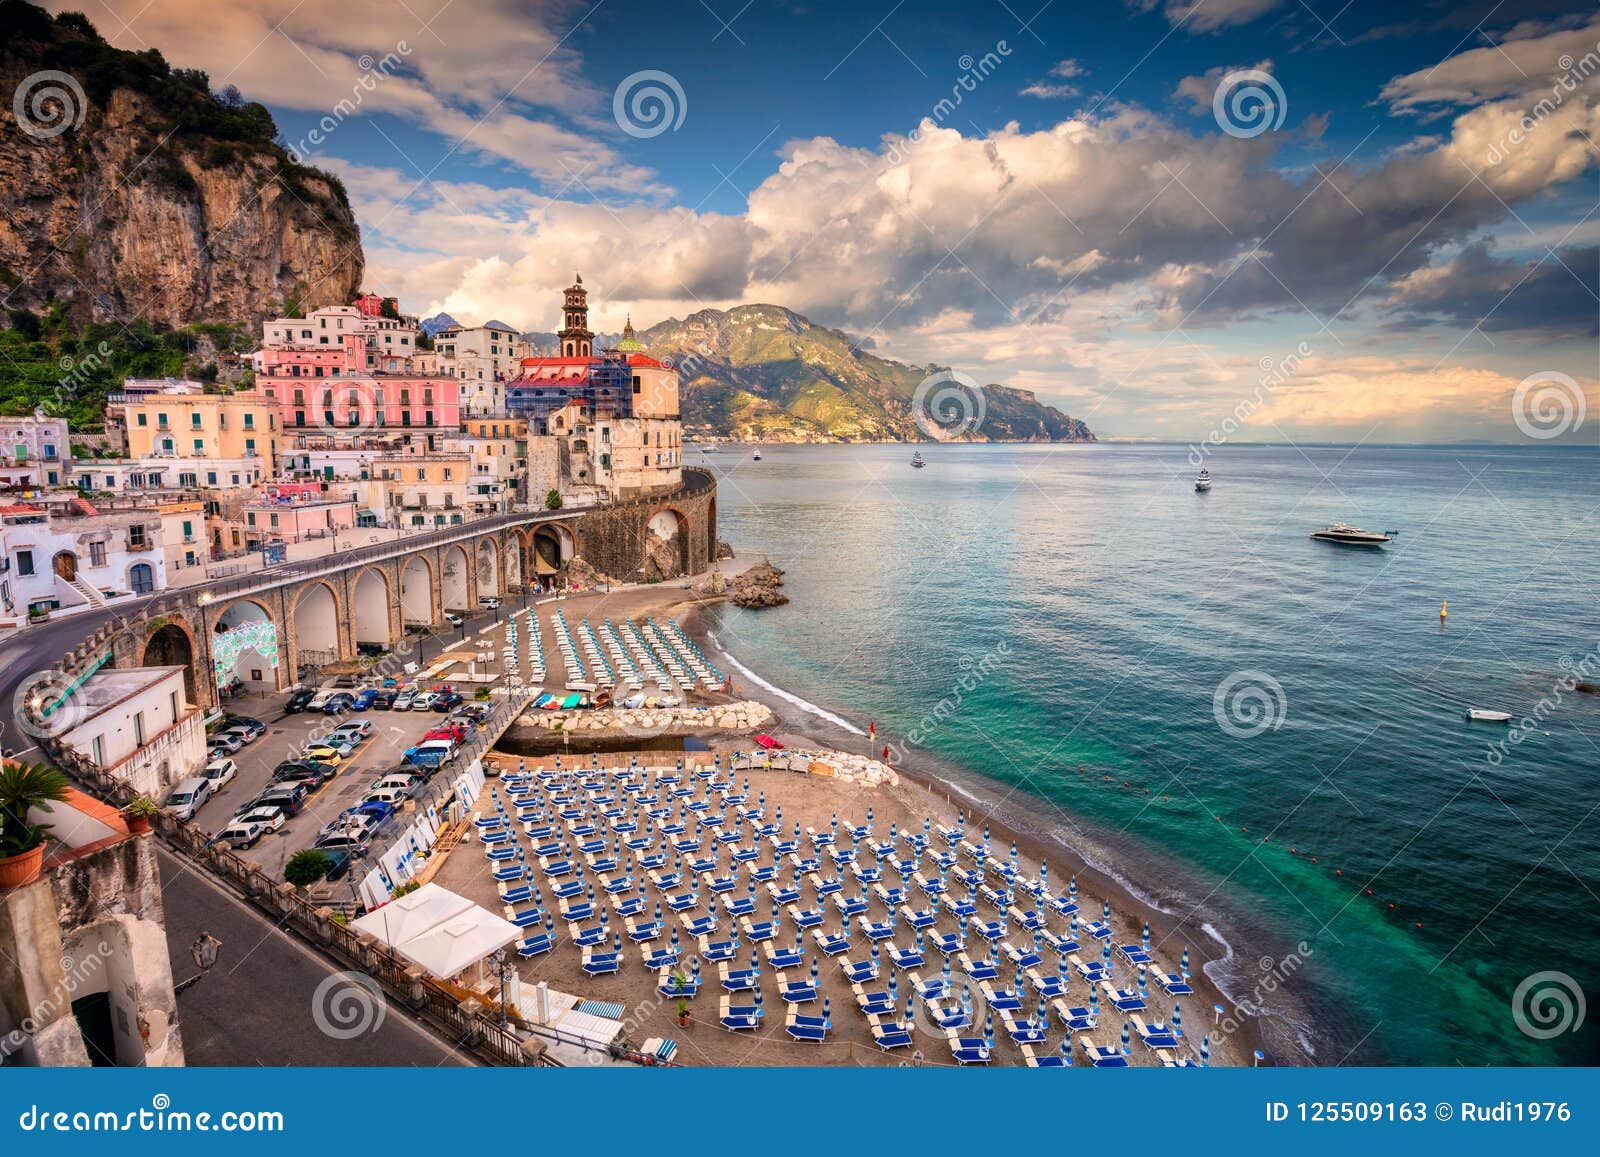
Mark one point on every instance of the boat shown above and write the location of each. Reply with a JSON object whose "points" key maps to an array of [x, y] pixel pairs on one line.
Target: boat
{"points": [[1202, 481], [756, 456], [1485, 716], [916, 460], [1346, 535]]}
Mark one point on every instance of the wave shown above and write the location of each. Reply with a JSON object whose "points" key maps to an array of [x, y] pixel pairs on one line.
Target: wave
{"points": [[804, 704]]}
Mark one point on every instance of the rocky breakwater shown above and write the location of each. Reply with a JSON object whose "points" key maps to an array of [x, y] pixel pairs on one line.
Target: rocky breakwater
{"points": [[758, 587], [746, 715]]}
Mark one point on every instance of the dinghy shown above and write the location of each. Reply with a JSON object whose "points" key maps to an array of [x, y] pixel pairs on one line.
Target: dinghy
{"points": [[1483, 716]]}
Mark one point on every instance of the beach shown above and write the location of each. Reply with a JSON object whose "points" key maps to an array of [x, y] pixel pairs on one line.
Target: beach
{"points": [[920, 798]]}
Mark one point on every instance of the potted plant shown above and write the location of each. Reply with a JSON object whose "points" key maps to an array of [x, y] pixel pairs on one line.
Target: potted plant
{"points": [[678, 986], [141, 809], [24, 786]]}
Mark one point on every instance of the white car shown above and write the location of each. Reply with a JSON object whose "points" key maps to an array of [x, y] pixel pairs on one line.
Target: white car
{"points": [[452, 618], [352, 732], [249, 826], [489, 604], [225, 741], [405, 700], [245, 735], [424, 700], [188, 796], [220, 773], [394, 795]]}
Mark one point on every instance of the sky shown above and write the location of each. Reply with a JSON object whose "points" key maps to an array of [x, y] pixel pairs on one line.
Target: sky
{"points": [[1262, 220]]}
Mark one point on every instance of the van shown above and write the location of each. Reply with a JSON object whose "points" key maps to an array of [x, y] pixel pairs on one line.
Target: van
{"points": [[188, 796]]}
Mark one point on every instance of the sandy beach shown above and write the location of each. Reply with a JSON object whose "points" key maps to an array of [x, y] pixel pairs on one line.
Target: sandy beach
{"points": [[813, 802]]}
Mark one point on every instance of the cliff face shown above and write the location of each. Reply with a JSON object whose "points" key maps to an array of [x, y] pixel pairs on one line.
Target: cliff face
{"points": [[162, 203]]}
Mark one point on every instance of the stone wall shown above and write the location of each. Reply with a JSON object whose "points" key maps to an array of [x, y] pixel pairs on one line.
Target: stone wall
{"points": [[616, 541]]}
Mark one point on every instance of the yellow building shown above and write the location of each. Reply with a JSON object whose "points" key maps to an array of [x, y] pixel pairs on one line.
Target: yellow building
{"points": [[218, 426]]}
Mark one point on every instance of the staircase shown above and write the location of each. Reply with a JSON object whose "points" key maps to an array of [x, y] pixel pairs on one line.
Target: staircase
{"points": [[86, 589]]}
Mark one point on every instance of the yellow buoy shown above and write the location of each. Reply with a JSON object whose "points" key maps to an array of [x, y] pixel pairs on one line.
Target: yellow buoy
{"points": [[1444, 608]]}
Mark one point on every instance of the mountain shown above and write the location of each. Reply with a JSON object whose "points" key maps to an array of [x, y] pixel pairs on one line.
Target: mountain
{"points": [[432, 325], [764, 373], [129, 192]]}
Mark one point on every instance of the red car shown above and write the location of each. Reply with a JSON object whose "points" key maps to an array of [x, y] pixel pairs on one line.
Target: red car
{"points": [[451, 732]]}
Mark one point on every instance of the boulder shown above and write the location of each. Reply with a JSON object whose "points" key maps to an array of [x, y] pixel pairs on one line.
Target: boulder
{"points": [[758, 587]]}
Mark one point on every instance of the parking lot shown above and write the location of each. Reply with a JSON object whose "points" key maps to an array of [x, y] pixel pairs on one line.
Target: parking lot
{"points": [[287, 736]]}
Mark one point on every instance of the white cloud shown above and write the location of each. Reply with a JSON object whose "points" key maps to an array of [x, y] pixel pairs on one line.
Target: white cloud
{"points": [[1532, 60], [1207, 15]]}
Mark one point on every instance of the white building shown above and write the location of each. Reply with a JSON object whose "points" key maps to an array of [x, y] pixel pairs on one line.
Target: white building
{"points": [[138, 726], [34, 451], [483, 358], [326, 329], [159, 472], [64, 556]]}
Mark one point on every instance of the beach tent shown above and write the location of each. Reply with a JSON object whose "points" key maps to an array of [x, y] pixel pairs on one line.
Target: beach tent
{"points": [[440, 932]]}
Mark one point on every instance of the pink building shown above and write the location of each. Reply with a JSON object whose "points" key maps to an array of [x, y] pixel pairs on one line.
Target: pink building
{"points": [[296, 511], [363, 405]]}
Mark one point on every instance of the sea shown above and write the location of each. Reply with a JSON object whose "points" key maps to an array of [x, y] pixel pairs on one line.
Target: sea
{"points": [[1262, 735]]}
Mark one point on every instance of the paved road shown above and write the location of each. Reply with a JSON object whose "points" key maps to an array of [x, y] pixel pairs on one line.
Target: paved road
{"points": [[255, 1005]]}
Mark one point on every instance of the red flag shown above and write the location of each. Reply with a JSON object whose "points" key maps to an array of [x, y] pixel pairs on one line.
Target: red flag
{"points": [[872, 729]]}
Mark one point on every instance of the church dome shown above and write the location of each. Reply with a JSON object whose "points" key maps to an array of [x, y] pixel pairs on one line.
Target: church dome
{"points": [[629, 343]]}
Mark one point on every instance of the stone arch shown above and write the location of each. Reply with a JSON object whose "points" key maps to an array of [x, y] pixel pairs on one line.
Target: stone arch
{"points": [[455, 578], [417, 601], [316, 626], [666, 544], [488, 569], [371, 603], [551, 547], [257, 663], [171, 645], [513, 551]]}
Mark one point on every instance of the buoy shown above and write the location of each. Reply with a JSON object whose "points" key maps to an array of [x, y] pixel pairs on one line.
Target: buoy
{"points": [[1391, 907], [1444, 608], [1338, 872]]}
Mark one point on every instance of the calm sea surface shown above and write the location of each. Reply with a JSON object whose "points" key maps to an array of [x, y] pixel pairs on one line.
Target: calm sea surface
{"points": [[1055, 622]]}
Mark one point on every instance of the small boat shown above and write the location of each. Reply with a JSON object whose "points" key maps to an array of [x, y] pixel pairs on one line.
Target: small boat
{"points": [[756, 457], [916, 460], [603, 699], [1346, 535], [1202, 481], [1483, 716]]}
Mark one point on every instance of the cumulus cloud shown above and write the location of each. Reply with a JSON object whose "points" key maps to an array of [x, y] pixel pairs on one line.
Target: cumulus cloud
{"points": [[1529, 59], [1056, 88], [1556, 294], [1207, 15], [1198, 91]]}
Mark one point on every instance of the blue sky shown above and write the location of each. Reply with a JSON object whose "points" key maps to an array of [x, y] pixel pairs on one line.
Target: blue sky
{"points": [[1080, 222]]}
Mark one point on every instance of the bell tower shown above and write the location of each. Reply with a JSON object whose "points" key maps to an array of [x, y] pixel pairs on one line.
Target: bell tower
{"points": [[576, 339]]}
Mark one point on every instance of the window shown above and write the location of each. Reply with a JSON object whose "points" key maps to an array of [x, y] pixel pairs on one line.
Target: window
{"points": [[187, 479], [250, 518], [211, 477], [136, 535], [199, 445], [249, 421], [144, 420], [250, 447], [24, 562], [138, 728], [194, 419], [141, 577], [188, 530], [98, 750], [299, 417]]}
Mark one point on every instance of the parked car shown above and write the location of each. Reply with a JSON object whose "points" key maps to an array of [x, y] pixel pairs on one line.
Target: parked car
{"points": [[385, 700], [328, 753], [423, 700], [354, 730], [290, 795], [400, 777], [220, 773], [341, 861], [319, 700], [452, 618], [225, 741], [352, 820], [299, 701], [477, 712], [364, 699], [404, 700], [188, 796], [256, 728], [307, 771], [249, 826], [352, 843], [379, 811], [338, 702], [393, 795], [489, 604], [447, 700], [454, 732], [431, 753]]}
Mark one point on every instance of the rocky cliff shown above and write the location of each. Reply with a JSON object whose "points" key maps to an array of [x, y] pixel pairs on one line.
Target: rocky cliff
{"points": [[132, 192]]}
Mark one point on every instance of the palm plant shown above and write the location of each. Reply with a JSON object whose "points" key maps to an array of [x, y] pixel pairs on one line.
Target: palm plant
{"points": [[24, 786]]}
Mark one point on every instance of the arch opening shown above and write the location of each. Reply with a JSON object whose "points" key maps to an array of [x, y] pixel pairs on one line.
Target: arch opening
{"points": [[416, 592], [488, 570], [666, 547], [456, 584], [371, 612], [171, 647], [316, 630], [244, 649]]}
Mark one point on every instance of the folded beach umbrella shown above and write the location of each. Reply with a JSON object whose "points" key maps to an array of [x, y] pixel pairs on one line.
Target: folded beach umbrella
{"points": [[827, 1013], [1072, 888], [619, 942], [1127, 1038], [911, 1012], [1146, 937], [1143, 991], [694, 968], [944, 974], [758, 998], [894, 984], [1205, 1049], [1094, 1002], [1183, 965], [674, 936], [1177, 1019], [1105, 952], [816, 978], [755, 960], [1066, 1049], [988, 1025]]}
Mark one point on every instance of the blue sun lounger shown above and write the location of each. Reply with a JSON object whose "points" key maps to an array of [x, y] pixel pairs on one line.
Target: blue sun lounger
{"points": [[1098, 930], [980, 969], [602, 864], [592, 847], [1100, 1056], [669, 984], [1155, 1036], [830, 943], [555, 868], [1174, 984], [969, 1050], [601, 963], [1134, 953], [534, 945], [809, 1029], [500, 855], [738, 905], [739, 979], [701, 926], [859, 971], [1125, 999], [656, 959], [639, 933], [629, 905], [892, 897], [1023, 1031], [805, 917], [745, 854], [783, 893], [1092, 971], [619, 886], [703, 865], [653, 861], [934, 989], [1000, 999], [876, 929], [958, 908], [1047, 984], [825, 885], [917, 918], [510, 873], [1064, 945], [850, 906], [865, 874], [721, 884], [683, 902], [905, 958], [796, 991], [739, 1017], [567, 890], [589, 937], [686, 846], [1024, 957], [516, 895], [888, 1035], [1042, 1060], [764, 873], [580, 910], [527, 918], [495, 836], [949, 1014], [989, 929], [873, 1003], [948, 943], [715, 952], [785, 956]]}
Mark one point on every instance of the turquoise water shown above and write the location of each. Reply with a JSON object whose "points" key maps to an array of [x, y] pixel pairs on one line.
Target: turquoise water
{"points": [[1055, 622]]}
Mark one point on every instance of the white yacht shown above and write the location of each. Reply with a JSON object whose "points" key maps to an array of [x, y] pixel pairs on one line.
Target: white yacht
{"points": [[1346, 535], [916, 460], [1202, 481], [756, 457]]}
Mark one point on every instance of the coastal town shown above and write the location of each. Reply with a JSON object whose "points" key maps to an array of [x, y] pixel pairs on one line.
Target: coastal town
{"points": [[397, 635]]}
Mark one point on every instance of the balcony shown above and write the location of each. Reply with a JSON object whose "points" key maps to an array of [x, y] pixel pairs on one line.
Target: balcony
{"points": [[139, 545]]}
